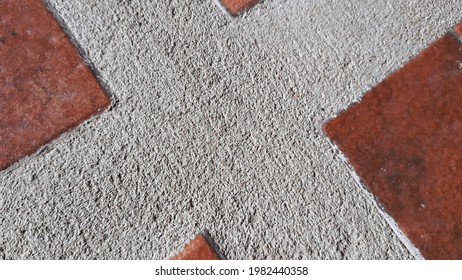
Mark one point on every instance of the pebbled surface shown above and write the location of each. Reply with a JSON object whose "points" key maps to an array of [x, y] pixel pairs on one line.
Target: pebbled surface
{"points": [[216, 125], [404, 140], [234, 7], [45, 87], [198, 249]]}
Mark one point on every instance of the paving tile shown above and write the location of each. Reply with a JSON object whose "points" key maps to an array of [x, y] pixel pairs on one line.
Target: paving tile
{"points": [[234, 7], [198, 249], [45, 86], [458, 28], [404, 141]]}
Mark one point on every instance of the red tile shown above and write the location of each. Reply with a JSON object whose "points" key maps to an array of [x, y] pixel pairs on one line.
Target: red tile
{"points": [[198, 249], [404, 139], [234, 7], [458, 29], [45, 87]]}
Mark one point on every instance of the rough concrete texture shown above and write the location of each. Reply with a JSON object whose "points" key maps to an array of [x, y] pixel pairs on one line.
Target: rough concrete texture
{"points": [[216, 124]]}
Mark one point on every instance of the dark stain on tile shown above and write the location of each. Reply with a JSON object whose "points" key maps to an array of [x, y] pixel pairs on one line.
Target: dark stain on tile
{"points": [[404, 139], [234, 7], [201, 247], [45, 86]]}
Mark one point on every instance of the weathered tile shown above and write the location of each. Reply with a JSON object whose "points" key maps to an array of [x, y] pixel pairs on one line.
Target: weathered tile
{"points": [[404, 139], [234, 7], [45, 86], [198, 249]]}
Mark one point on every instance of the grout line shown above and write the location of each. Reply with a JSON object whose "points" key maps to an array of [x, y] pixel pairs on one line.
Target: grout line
{"points": [[223, 8], [213, 244], [114, 100], [455, 35]]}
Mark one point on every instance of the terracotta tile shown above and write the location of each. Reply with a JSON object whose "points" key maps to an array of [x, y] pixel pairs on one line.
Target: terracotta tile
{"points": [[234, 7], [45, 87], [198, 249], [458, 28], [404, 140]]}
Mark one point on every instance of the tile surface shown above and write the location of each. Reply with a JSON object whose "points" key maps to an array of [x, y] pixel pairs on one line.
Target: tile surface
{"points": [[404, 140], [458, 28], [234, 7], [45, 87], [197, 249]]}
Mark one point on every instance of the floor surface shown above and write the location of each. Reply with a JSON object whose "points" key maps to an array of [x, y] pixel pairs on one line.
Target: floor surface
{"points": [[215, 123]]}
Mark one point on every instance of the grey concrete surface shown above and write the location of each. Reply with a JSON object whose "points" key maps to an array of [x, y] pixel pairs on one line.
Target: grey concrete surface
{"points": [[215, 124]]}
